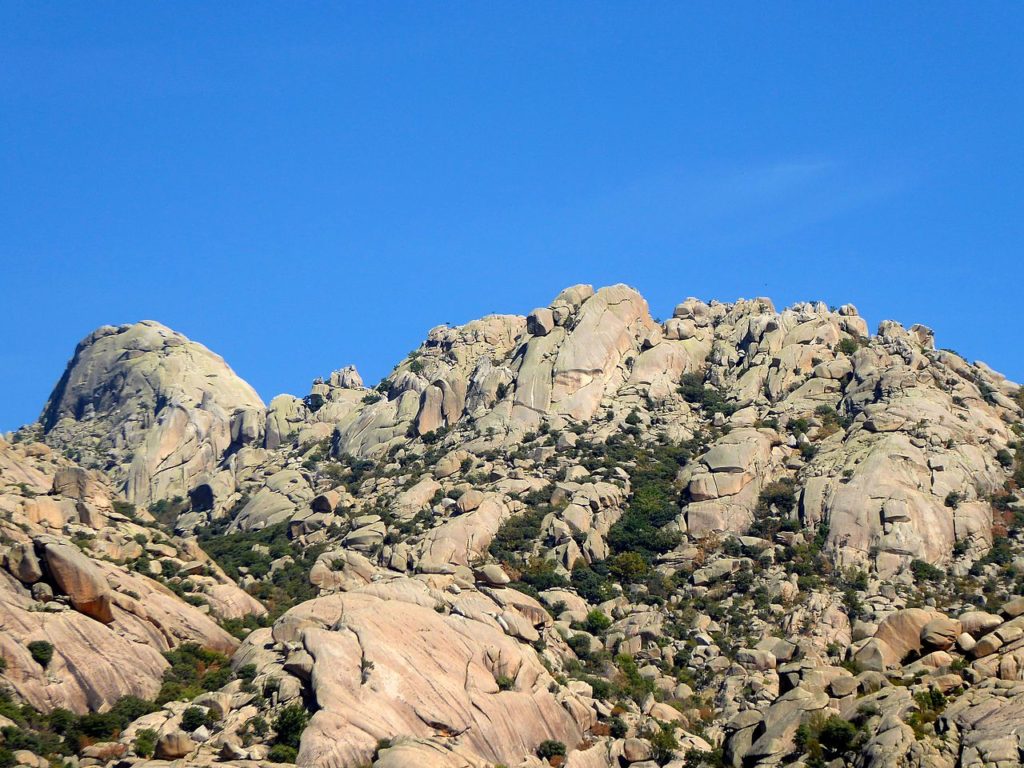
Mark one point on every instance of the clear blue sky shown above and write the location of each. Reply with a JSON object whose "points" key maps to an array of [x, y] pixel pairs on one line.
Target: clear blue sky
{"points": [[304, 185]]}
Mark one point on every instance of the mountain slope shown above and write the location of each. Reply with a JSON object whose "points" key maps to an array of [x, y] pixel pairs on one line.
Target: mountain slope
{"points": [[153, 408], [754, 535]]}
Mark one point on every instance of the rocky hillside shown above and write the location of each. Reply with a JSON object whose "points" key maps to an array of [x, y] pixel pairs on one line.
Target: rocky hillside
{"points": [[584, 537]]}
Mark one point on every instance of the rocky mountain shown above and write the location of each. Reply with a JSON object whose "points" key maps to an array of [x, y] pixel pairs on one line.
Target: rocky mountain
{"points": [[585, 537], [155, 410]]}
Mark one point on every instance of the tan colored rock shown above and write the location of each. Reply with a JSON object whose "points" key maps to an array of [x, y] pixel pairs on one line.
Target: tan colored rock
{"points": [[1013, 608], [876, 655], [940, 633], [415, 499], [174, 745], [463, 539], [22, 563], [978, 623], [540, 322], [635, 750], [492, 574], [145, 392], [470, 500], [77, 577], [902, 630], [392, 668], [94, 664]]}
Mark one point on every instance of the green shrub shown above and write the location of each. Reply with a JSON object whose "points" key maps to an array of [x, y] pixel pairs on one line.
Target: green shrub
{"points": [[924, 571], [540, 574], [710, 399], [847, 345], [550, 748], [42, 744], [634, 685], [517, 534], [822, 738], [663, 744], [99, 726], [246, 673], [592, 582], [617, 727], [145, 742], [837, 735], [282, 753], [290, 723], [653, 505], [695, 758], [775, 506], [780, 494], [193, 718], [602, 688], [42, 652], [580, 645], [629, 567], [193, 670], [596, 622]]}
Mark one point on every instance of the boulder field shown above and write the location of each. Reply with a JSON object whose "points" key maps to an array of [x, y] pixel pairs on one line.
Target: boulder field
{"points": [[583, 536]]}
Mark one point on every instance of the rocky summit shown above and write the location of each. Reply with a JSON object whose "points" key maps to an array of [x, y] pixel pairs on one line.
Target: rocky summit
{"points": [[583, 537]]}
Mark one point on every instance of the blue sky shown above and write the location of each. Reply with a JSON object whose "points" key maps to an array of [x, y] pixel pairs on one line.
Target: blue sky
{"points": [[304, 185]]}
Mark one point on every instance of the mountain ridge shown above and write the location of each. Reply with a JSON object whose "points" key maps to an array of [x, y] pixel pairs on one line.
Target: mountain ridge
{"points": [[651, 542]]}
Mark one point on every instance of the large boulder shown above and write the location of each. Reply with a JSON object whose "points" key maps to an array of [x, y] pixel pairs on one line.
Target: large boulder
{"points": [[387, 663], [151, 404], [903, 631], [77, 577]]}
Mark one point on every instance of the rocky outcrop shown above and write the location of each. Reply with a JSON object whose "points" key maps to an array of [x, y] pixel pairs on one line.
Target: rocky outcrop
{"points": [[108, 624], [155, 408], [751, 528], [392, 661], [77, 577]]}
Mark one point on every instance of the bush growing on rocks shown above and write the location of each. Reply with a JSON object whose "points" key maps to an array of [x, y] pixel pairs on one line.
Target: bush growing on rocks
{"points": [[654, 504], [193, 670], [824, 738], [663, 744], [926, 572], [145, 742], [631, 682], [289, 725], [698, 758], [104, 725], [848, 345], [550, 748], [282, 753], [596, 622], [775, 504], [193, 718], [780, 494], [693, 390], [592, 582], [629, 567], [516, 535], [42, 652]]}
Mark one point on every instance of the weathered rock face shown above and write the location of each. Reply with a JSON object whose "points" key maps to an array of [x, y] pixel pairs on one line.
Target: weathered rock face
{"points": [[108, 625], [157, 409], [386, 662], [506, 373], [77, 577], [95, 663], [721, 512]]}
